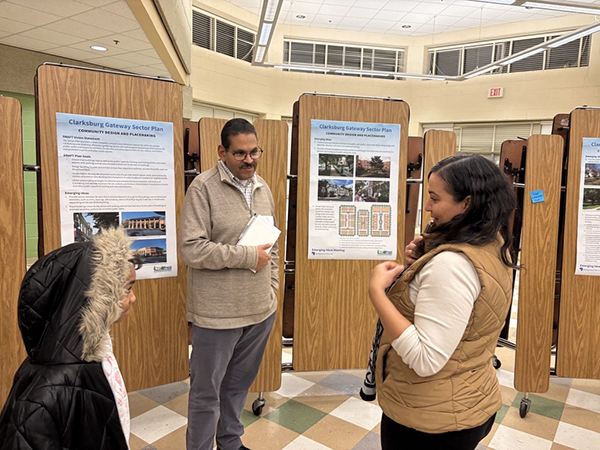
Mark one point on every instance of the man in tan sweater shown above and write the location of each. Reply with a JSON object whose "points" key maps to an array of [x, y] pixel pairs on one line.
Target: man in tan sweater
{"points": [[231, 292]]}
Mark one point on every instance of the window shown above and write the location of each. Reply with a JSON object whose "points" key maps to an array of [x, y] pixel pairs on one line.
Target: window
{"points": [[461, 59], [218, 35], [338, 56]]}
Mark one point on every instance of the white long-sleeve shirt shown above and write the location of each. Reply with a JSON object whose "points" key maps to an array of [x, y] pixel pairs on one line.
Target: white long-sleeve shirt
{"points": [[443, 292]]}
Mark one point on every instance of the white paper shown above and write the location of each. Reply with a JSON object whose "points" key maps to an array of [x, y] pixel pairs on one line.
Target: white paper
{"points": [[588, 225], [119, 172], [260, 231], [353, 190]]}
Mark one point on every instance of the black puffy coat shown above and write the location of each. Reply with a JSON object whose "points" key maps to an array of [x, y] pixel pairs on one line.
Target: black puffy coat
{"points": [[60, 397]]}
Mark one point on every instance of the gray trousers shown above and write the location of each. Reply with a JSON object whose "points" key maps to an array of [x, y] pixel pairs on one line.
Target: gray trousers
{"points": [[224, 364]]}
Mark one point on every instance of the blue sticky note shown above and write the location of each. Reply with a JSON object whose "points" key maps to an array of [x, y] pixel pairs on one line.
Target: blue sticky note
{"points": [[537, 196]]}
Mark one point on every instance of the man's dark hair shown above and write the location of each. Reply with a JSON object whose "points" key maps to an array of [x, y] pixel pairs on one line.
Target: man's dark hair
{"points": [[234, 127]]}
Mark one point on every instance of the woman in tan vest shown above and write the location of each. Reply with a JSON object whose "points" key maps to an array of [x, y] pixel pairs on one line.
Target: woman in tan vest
{"points": [[442, 318]]}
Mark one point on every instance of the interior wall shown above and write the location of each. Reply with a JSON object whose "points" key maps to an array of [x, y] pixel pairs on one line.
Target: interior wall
{"points": [[225, 81]]}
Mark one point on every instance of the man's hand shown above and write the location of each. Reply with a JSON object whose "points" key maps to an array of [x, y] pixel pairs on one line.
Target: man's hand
{"points": [[412, 252], [263, 256]]}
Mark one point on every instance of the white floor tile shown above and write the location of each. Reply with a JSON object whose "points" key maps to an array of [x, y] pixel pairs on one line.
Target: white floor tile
{"points": [[304, 443], [156, 424], [358, 412], [584, 400], [286, 357], [506, 378], [507, 438], [577, 437], [292, 385]]}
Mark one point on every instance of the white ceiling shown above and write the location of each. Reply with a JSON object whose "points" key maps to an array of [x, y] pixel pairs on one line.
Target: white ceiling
{"points": [[425, 17], [68, 28]]}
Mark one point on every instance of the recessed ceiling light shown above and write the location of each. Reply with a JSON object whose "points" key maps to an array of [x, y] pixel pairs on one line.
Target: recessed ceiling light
{"points": [[98, 48], [406, 26], [300, 16]]}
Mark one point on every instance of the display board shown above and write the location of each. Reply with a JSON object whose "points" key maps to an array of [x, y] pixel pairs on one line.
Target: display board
{"points": [[272, 167], [541, 205], [12, 240], [151, 345], [578, 330], [439, 144], [333, 317]]}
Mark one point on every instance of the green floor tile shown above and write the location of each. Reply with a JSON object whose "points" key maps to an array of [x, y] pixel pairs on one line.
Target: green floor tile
{"points": [[501, 413], [248, 418], [295, 416], [542, 406]]}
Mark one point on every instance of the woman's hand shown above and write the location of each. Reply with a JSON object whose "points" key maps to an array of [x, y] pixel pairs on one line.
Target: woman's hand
{"points": [[383, 275], [413, 251]]}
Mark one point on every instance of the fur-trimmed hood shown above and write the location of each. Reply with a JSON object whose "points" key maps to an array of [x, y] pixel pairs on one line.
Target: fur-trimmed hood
{"points": [[70, 298]]}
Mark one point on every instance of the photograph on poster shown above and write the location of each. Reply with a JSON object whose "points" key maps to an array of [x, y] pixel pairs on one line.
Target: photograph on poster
{"points": [[335, 190], [144, 223], [372, 191], [373, 166], [150, 250], [591, 198], [87, 224], [336, 165], [592, 175]]}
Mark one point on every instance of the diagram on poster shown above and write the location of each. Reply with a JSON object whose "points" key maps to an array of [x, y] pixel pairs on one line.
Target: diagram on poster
{"points": [[353, 190], [588, 230], [119, 172]]}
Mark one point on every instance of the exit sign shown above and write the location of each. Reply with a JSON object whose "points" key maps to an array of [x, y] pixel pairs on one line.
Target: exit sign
{"points": [[496, 92]]}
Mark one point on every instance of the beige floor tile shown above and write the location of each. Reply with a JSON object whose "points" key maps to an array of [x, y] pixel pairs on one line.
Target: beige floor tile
{"points": [[179, 405], [580, 417], [266, 435], [486, 440], [377, 429], [508, 395], [135, 443], [315, 377], [272, 401], [533, 424], [506, 357], [336, 433], [138, 404], [325, 403], [318, 391], [374, 402], [556, 446], [583, 384], [556, 392], [172, 441]]}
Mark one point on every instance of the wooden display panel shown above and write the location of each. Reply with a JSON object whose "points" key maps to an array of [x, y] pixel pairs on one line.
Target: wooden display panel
{"points": [[151, 345], [439, 145], [578, 330], [272, 138], [537, 277], [12, 240], [334, 319]]}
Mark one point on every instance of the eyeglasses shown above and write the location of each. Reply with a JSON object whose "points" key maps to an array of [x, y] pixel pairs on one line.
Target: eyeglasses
{"points": [[240, 155]]}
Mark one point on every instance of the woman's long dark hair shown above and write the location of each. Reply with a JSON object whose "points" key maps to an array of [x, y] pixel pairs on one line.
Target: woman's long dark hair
{"points": [[490, 210]]}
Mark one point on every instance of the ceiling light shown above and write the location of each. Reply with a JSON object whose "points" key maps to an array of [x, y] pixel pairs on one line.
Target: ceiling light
{"points": [[302, 68], [363, 72], [565, 39], [270, 11], [576, 8], [259, 54], [482, 71], [98, 48], [419, 76], [265, 33], [523, 56], [300, 16], [502, 2], [406, 26]]}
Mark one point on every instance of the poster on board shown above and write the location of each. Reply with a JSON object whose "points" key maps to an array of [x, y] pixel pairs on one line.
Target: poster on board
{"points": [[353, 190], [119, 172], [588, 224]]}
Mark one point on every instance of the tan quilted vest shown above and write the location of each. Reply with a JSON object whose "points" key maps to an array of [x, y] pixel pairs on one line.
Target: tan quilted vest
{"points": [[464, 394]]}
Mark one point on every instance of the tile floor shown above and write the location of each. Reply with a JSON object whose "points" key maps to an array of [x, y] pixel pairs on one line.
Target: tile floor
{"points": [[323, 411]]}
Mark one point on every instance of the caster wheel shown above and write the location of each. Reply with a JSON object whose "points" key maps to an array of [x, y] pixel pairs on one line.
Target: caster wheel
{"points": [[496, 362], [257, 406], [524, 407]]}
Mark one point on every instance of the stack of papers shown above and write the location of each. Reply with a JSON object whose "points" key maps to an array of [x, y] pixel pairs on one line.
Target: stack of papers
{"points": [[260, 230]]}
